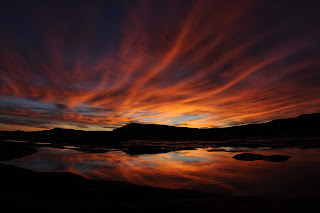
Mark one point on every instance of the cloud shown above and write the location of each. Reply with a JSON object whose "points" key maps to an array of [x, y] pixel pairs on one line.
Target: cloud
{"points": [[225, 63], [61, 106], [15, 121]]}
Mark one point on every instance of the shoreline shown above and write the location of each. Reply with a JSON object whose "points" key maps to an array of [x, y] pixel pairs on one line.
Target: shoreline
{"points": [[65, 192], [23, 189]]}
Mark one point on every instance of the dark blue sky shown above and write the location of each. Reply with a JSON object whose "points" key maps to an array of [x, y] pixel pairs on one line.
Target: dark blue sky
{"points": [[97, 65]]}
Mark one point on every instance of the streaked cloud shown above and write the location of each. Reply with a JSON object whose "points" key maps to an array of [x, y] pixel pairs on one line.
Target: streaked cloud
{"points": [[202, 64]]}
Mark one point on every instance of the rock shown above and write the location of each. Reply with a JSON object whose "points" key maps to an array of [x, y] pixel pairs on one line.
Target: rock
{"points": [[248, 157], [92, 150], [216, 150], [253, 157]]}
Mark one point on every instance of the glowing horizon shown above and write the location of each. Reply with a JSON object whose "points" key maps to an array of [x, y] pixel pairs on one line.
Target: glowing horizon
{"points": [[198, 64]]}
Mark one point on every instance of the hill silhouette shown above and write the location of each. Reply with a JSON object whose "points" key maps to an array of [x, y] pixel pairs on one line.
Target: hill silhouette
{"points": [[301, 126]]}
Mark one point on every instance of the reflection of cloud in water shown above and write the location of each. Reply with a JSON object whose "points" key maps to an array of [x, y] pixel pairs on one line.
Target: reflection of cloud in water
{"points": [[176, 156], [199, 169]]}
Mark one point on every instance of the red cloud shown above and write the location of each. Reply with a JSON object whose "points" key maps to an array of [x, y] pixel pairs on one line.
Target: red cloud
{"points": [[228, 62]]}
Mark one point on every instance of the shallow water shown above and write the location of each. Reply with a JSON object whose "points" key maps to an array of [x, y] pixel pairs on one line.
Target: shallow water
{"points": [[214, 172]]}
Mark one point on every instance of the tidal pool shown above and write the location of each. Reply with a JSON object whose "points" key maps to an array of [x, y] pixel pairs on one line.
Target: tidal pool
{"points": [[199, 169]]}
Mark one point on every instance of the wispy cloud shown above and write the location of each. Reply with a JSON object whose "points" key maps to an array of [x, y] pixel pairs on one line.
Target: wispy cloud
{"points": [[203, 64]]}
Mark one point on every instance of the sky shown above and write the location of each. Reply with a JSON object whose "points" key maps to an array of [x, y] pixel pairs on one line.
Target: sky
{"points": [[98, 65]]}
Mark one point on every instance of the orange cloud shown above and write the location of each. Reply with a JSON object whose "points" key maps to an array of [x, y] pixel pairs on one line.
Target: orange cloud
{"points": [[205, 64]]}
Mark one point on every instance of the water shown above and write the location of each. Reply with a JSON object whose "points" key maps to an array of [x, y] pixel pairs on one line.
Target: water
{"points": [[16, 141], [214, 172]]}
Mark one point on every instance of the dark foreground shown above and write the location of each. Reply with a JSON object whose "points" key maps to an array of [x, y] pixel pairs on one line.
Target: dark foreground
{"points": [[25, 190]]}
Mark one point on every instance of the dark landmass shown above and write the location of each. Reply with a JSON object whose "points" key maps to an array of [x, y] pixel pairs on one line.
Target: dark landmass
{"points": [[58, 135], [63, 192], [248, 157], [25, 190], [253, 157], [10, 151], [216, 150], [302, 132], [302, 126]]}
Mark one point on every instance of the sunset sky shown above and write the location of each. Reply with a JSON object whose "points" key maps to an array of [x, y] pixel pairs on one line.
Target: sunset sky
{"points": [[98, 65]]}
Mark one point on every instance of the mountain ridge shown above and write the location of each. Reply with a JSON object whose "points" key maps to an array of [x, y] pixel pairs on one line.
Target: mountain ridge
{"points": [[303, 125]]}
